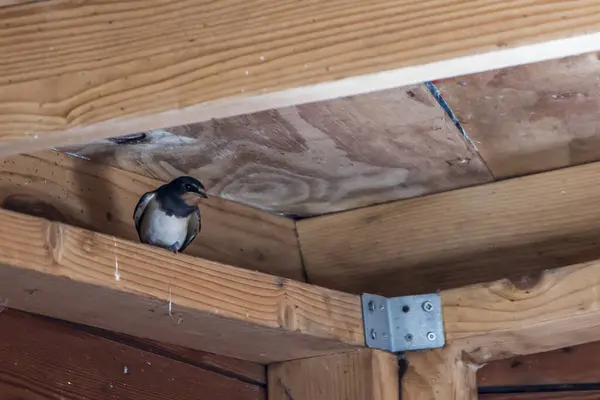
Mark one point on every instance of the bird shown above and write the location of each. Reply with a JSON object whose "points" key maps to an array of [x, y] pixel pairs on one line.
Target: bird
{"points": [[169, 217]]}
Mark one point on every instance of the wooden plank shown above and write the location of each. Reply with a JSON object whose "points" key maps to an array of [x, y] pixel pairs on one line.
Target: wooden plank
{"points": [[81, 193], [41, 359], [310, 159], [95, 279], [501, 319], [245, 371], [514, 227], [440, 374], [577, 395], [493, 321], [73, 71], [571, 365], [531, 118], [357, 375]]}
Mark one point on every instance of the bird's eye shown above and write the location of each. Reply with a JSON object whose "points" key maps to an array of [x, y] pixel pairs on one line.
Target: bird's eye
{"points": [[188, 187]]}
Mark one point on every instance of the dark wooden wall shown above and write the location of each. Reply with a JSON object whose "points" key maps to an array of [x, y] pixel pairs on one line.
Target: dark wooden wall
{"points": [[44, 359], [566, 374]]}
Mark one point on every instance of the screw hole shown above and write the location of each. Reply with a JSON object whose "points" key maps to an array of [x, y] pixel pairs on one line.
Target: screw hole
{"points": [[405, 309]]}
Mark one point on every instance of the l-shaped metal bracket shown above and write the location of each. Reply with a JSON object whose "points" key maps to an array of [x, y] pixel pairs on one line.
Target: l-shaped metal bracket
{"points": [[403, 323]]}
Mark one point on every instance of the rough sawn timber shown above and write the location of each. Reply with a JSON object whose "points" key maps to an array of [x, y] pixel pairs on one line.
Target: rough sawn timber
{"points": [[77, 275], [75, 71], [493, 321], [102, 199]]}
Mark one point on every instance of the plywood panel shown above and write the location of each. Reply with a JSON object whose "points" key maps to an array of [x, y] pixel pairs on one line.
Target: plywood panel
{"points": [[76, 71], [510, 228], [531, 118], [311, 159], [571, 365], [40, 359], [102, 199]]}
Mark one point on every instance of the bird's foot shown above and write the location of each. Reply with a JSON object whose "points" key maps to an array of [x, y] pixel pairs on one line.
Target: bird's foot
{"points": [[174, 247]]}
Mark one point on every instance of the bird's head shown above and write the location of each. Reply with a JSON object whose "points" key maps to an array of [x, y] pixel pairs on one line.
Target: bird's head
{"points": [[189, 189]]}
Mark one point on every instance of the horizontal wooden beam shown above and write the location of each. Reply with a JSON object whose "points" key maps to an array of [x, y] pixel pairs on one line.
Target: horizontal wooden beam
{"points": [[73, 71], [78, 192], [503, 229], [100, 280], [488, 322], [357, 375]]}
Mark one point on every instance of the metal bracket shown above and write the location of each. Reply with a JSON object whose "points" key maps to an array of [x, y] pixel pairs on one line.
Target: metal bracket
{"points": [[403, 323]]}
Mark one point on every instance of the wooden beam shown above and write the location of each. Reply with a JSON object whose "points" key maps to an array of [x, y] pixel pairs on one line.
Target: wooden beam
{"points": [[357, 375], [40, 358], [95, 279], [440, 374], [99, 198], [515, 227], [493, 321], [75, 71]]}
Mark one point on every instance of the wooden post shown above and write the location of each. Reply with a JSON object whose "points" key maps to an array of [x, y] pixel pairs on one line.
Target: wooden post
{"points": [[357, 375]]}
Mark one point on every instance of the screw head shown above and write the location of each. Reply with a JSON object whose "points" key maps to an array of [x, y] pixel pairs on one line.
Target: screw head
{"points": [[373, 334], [408, 337], [427, 306], [371, 306], [431, 336]]}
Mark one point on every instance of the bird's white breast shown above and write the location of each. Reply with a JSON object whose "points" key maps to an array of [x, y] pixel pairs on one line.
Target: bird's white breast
{"points": [[162, 230]]}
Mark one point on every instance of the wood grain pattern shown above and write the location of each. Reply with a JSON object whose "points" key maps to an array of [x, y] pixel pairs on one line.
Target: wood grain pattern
{"points": [[509, 228], [246, 371], [502, 319], [95, 279], [577, 395], [531, 118], [571, 365], [357, 375], [73, 72], [311, 159], [440, 374], [44, 360], [102, 199]]}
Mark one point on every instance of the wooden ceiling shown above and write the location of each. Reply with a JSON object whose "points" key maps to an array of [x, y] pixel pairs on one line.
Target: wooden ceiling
{"points": [[335, 155]]}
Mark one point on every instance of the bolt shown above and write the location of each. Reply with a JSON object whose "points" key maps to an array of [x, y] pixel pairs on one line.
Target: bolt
{"points": [[371, 306], [431, 336], [427, 306], [373, 334], [408, 337], [385, 336], [382, 307]]}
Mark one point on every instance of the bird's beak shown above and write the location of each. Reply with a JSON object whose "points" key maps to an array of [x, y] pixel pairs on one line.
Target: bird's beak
{"points": [[202, 193]]}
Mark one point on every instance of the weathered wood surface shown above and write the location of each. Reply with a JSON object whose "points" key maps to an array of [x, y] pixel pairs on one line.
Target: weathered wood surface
{"points": [[571, 365], [311, 159], [357, 375], [493, 321], [73, 71], [102, 199], [531, 118], [440, 374], [40, 359], [575, 395], [69, 273], [509, 228]]}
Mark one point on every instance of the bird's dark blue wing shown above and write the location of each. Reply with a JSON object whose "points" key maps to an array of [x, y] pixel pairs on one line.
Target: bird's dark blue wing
{"points": [[138, 213], [194, 226]]}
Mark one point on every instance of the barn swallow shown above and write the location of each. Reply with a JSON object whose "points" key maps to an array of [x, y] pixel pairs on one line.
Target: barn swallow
{"points": [[169, 216]]}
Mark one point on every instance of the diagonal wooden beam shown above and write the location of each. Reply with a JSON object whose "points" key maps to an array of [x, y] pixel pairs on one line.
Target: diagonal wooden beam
{"points": [[509, 228], [73, 71], [95, 279], [78, 192]]}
